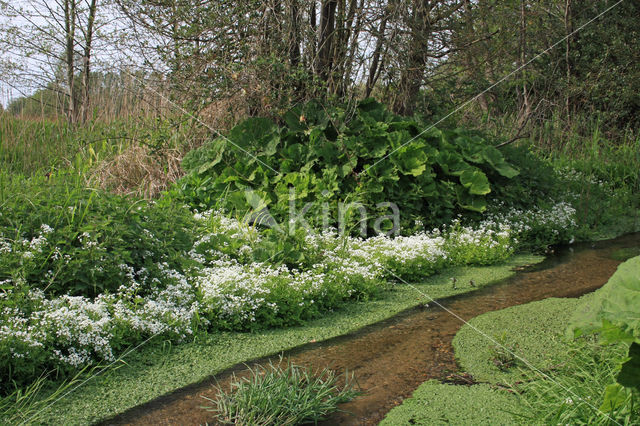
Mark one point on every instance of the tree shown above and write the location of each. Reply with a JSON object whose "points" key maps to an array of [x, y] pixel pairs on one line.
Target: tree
{"points": [[47, 37]]}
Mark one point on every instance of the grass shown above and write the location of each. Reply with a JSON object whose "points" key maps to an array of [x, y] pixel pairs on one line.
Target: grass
{"points": [[574, 393], [160, 368], [275, 395], [130, 156], [30, 145]]}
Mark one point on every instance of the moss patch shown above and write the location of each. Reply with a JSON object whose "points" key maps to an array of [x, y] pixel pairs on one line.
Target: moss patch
{"points": [[534, 332], [437, 403], [160, 368]]}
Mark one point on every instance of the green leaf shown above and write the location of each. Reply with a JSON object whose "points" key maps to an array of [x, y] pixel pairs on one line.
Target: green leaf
{"points": [[253, 133], [614, 397], [295, 119], [348, 166], [622, 302], [451, 163], [412, 159], [373, 109], [470, 202], [475, 181], [629, 375], [496, 160], [615, 312]]}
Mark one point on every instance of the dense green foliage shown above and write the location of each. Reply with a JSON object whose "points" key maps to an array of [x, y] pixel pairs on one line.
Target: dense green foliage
{"points": [[80, 241], [559, 381], [96, 255], [326, 156]]}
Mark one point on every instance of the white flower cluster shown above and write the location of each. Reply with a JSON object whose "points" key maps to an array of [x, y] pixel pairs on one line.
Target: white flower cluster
{"points": [[224, 289], [486, 243], [218, 222], [27, 249], [75, 330], [560, 218], [571, 174]]}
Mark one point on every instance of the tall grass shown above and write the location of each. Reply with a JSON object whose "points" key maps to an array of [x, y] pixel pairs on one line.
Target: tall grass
{"points": [[585, 146], [30, 145], [573, 394], [139, 156]]}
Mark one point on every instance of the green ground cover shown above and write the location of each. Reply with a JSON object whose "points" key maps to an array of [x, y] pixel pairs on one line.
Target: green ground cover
{"points": [[551, 378], [435, 403]]}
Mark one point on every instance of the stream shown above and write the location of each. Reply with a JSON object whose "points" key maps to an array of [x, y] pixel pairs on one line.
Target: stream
{"points": [[392, 358]]}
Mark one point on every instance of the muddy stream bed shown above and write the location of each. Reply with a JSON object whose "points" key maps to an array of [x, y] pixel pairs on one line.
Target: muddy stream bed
{"points": [[392, 358]]}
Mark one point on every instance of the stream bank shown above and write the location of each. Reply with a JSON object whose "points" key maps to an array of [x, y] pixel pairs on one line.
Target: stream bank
{"points": [[392, 358]]}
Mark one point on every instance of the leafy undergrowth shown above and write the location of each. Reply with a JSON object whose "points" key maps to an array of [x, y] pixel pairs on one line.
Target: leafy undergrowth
{"points": [[160, 367], [327, 156], [87, 276], [614, 315]]}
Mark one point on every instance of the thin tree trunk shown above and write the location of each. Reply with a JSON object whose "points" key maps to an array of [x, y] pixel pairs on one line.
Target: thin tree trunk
{"points": [[70, 29], [87, 61], [314, 31], [375, 58], [345, 55], [327, 30], [526, 107], [568, 30], [294, 34]]}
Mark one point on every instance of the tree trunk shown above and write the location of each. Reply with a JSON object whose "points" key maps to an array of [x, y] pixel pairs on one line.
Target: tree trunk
{"points": [[412, 75], [294, 33], [526, 107], [568, 28], [375, 57], [354, 34], [87, 61], [70, 29], [327, 30]]}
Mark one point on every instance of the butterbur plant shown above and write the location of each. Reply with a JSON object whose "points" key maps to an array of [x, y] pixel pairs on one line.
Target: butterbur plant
{"points": [[615, 317], [335, 156], [277, 395]]}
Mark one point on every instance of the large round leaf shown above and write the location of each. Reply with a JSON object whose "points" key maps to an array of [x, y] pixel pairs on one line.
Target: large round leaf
{"points": [[475, 181]]}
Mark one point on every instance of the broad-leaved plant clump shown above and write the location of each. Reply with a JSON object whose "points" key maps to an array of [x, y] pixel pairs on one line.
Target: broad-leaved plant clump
{"points": [[327, 156]]}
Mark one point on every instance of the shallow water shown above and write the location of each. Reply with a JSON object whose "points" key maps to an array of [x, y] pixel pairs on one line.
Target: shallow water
{"points": [[392, 358]]}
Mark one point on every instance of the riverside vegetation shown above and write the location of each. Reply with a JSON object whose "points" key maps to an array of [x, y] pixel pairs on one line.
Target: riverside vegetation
{"points": [[86, 273], [587, 372]]}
